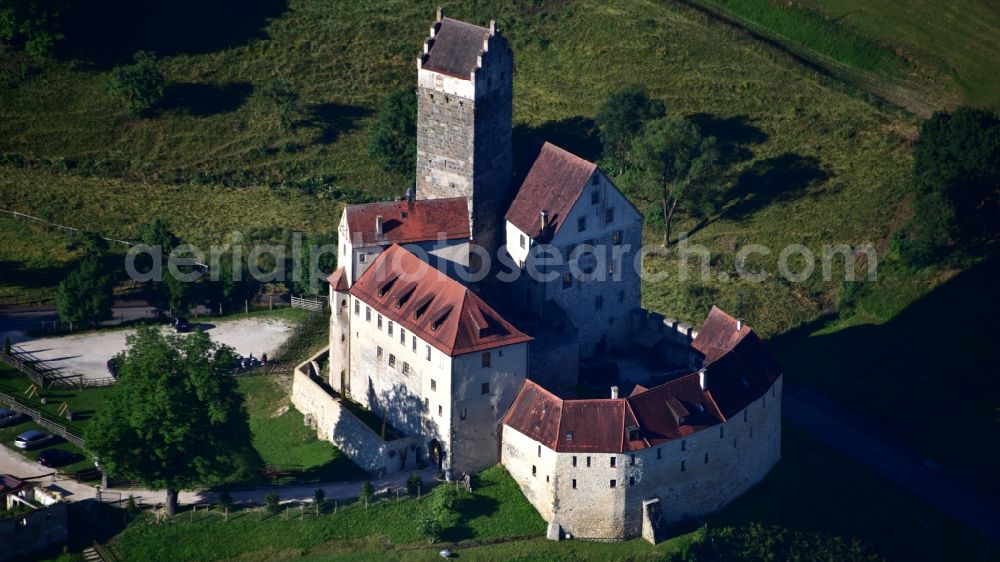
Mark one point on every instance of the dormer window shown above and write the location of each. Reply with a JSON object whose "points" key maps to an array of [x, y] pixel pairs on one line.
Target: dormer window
{"points": [[422, 308], [440, 319], [386, 286], [405, 297], [569, 437]]}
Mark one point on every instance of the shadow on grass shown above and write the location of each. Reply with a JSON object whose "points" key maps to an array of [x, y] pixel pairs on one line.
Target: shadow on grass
{"points": [[781, 178], [938, 352], [576, 134], [470, 507], [733, 134], [108, 33], [334, 119], [202, 100]]}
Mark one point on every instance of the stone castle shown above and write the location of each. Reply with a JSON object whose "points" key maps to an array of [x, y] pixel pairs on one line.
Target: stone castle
{"points": [[474, 320]]}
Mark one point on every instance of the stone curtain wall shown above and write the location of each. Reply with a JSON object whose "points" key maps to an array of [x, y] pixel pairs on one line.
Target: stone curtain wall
{"points": [[336, 424], [738, 457]]}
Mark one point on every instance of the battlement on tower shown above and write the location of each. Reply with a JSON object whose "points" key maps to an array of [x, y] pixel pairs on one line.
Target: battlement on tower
{"points": [[465, 60]]}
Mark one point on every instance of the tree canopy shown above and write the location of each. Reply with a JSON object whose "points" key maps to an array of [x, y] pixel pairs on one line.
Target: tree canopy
{"points": [[677, 161], [86, 294], [956, 170], [174, 418], [138, 86], [31, 23], [620, 119], [169, 294], [394, 133]]}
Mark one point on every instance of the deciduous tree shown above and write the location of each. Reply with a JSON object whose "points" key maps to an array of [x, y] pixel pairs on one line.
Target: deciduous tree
{"points": [[621, 118], [174, 418], [86, 294], [677, 161], [138, 86]]}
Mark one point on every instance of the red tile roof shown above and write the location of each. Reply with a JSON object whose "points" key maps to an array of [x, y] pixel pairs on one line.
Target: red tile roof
{"points": [[455, 48], [735, 378], [405, 222], [9, 484], [338, 279], [553, 183], [718, 335], [435, 307]]}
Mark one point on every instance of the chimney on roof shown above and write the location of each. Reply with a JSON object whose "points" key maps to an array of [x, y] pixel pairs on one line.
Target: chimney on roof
{"points": [[493, 27], [614, 392], [739, 324], [544, 219], [378, 225], [703, 378], [411, 194], [440, 13]]}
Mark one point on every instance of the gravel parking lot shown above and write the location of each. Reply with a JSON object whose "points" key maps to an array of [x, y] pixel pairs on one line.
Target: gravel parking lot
{"points": [[88, 354]]}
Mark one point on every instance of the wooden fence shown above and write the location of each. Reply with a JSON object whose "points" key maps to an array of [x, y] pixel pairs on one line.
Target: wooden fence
{"points": [[42, 419], [309, 304], [44, 222], [44, 375]]}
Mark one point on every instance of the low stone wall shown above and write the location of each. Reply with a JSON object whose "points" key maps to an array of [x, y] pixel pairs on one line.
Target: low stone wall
{"points": [[333, 422]]}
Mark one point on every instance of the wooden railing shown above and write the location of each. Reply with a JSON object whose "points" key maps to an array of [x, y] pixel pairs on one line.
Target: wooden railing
{"points": [[42, 419], [309, 304]]}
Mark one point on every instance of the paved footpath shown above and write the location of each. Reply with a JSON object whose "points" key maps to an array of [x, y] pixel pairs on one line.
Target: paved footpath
{"points": [[14, 464]]}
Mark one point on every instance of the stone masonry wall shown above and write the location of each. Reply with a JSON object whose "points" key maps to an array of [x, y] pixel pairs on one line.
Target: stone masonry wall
{"points": [[334, 423], [692, 477]]}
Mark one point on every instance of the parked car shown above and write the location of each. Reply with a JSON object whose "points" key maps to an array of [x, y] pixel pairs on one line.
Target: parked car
{"points": [[55, 457], [32, 439], [181, 324], [9, 417]]}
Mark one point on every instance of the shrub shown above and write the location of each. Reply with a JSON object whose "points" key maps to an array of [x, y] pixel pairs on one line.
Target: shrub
{"points": [[273, 502], [413, 484], [138, 86], [367, 492], [430, 529]]}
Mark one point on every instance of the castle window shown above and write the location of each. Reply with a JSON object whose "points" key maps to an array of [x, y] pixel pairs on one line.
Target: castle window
{"points": [[402, 336], [581, 224], [404, 214], [706, 458], [357, 307], [574, 483], [569, 437], [464, 414], [414, 344], [406, 367], [362, 258], [599, 302], [539, 451], [368, 314], [567, 280], [392, 360], [659, 453], [378, 352], [744, 415], [574, 460], [722, 432], [427, 404], [595, 194], [440, 410], [684, 445], [428, 351], [614, 483], [390, 327], [616, 237], [609, 216], [434, 384], [534, 470], [631, 480], [613, 461], [485, 388], [588, 462], [683, 468], [632, 460], [546, 478], [486, 359], [378, 321], [524, 241]]}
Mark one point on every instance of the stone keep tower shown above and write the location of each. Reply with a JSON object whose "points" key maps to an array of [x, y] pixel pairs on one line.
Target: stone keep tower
{"points": [[464, 112]]}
